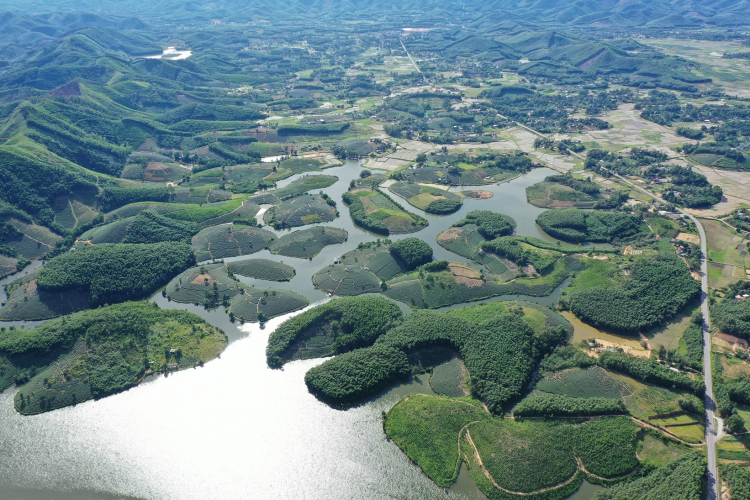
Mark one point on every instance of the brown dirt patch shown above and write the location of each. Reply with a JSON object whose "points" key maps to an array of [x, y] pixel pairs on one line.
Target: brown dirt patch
{"points": [[451, 234], [478, 195], [597, 257], [201, 279], [630, 251], [31, 286], [690, 238], [156, 171], [466, 272], [561, 204], [70, 89], [468, 282]]}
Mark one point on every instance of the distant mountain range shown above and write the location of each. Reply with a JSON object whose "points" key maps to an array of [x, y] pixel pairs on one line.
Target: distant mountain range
{"points": [[601, 13]]}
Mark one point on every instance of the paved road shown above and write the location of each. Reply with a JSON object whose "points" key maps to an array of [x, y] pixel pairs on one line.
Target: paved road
{"points": [[412, 60], [711, 431]]}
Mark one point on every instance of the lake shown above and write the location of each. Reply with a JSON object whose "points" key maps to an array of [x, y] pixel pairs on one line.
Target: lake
{"points": [[235, 428]]}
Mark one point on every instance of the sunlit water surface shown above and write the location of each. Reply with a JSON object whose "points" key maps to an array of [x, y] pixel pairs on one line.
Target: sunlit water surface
{"points": [[235, 428]]}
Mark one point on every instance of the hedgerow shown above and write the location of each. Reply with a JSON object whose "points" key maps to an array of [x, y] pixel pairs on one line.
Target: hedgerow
{"points": [[555, 405]]}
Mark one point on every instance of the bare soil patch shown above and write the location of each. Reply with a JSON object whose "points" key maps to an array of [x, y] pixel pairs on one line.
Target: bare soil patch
{"points": [[478, 194], [466, 272], [451, 234], [690, 238], [201, 279], [469, 282]]}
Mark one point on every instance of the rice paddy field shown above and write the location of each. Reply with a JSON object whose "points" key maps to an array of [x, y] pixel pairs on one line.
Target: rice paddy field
{"points": [[734, 448], [299, 211], [728, 254], [218, 242], [307, 243]]}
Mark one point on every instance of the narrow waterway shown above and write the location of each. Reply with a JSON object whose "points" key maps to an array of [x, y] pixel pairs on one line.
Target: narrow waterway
{"points": [[235, 428]]}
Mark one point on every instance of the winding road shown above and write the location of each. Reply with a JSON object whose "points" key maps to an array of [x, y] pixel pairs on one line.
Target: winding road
{"points": [[711, 427]]}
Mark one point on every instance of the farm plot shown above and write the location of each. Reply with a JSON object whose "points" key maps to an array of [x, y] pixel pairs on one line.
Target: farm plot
{"points": [[448, 378], [299, 211], [376, 212], [430, 199], [201, 195], [247, 210], [197, 284], [27, 302], [207, 211], [476, 194], [262, 269], [135, 208], [7, 265], [556, 195], [374, 256], [407, 290], [113, 232], [257, 304], [218, 242], [593, 382], [307, 243], [461, 283], [305, 184], [245, 173], [162, 172], [507, 458], [346, 280], [526, 456], [464, 240], [212, 285], [36, 241]]}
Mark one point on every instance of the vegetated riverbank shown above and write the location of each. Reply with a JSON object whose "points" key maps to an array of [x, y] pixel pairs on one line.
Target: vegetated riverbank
{"points": [[182, 403], [93, 354]]}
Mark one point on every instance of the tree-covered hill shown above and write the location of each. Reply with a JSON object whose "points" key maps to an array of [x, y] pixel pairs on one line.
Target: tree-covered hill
{"points": [[662, 13]]}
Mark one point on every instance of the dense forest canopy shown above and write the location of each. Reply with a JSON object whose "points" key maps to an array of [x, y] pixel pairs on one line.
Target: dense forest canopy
{"points": [[657, 288], [116, 272]]}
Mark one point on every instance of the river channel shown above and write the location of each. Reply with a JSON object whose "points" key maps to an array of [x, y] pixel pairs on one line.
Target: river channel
{"points": [[236, 429]]}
